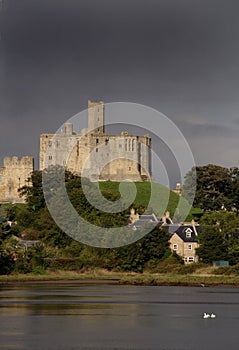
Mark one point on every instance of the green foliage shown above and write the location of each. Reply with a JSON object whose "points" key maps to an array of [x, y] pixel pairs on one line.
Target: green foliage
{"points": [[213, 245], [6, 262], [34, 192], [216, 187], [212, 186], [226, 270], [234, 190], [59, 251], [159, 197]]}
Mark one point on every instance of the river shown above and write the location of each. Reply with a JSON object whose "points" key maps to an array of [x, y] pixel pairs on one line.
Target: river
{"points": [[79, 315]]}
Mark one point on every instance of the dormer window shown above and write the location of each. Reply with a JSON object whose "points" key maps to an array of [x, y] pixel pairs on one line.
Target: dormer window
{"points": [[188, 233]]}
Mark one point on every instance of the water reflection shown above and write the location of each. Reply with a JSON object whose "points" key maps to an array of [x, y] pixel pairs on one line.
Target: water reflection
{"points": [[105, 316]]}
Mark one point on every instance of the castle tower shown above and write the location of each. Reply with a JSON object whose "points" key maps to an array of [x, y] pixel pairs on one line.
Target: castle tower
{"points": [[96, 116], [13, 175]]}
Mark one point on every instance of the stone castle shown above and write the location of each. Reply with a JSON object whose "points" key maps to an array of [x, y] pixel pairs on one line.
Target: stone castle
{"points": [[91, 153], [13, 175], [95, 154]]}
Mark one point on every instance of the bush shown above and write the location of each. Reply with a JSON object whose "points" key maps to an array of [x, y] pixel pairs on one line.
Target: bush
{"points": [[227, 270], [6, 264]]}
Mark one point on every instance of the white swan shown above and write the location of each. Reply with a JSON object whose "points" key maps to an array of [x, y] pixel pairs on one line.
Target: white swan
{"points": [[213, 315], [205, 315]]}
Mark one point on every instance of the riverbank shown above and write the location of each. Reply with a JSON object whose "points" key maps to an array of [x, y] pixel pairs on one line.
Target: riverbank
{"points": [[130, 278]]}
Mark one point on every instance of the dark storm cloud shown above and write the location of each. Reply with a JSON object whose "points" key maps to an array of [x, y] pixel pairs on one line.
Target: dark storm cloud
{"points": [[206, 129], [180, 57]]}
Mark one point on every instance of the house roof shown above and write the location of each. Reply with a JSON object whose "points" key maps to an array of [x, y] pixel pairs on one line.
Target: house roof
{"points": [[188, 233]]}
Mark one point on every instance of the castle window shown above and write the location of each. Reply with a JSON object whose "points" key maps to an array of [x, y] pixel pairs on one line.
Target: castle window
{"points": [[190, 247], [50, 157], [97, 140], [132, 145], [120, 146], [49, 143], [57, 143], [96, 150], [129, 145], [129, 168], [126, 144], [77, 149], [175, 247]]}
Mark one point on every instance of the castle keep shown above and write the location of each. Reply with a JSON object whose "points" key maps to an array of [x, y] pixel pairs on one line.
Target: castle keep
{"points": [[95, 154], [91, 153], [13, 175]]}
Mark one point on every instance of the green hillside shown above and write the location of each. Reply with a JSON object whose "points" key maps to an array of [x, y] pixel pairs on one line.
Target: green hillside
{"points": [[153, 196]]}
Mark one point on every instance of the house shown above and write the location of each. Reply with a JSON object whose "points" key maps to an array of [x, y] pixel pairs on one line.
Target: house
{"points": [[183, 241], [182, 236]]}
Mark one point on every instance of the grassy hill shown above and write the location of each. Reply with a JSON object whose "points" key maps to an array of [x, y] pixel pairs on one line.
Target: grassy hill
{"points": [[153, 196]]}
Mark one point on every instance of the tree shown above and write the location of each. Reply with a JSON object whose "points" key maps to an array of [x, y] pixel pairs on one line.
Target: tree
{"points": [[213, 187], [212, 245], [234, 190], [33, 192]]}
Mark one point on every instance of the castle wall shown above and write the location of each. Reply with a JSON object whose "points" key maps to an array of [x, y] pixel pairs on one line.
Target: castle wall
{"points": [[13, 175], [95, 154]]}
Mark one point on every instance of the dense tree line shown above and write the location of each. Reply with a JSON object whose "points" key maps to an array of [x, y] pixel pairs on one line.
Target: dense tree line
{"points": [[216, 187], [219, 239], [216, 193], [58, 250]]}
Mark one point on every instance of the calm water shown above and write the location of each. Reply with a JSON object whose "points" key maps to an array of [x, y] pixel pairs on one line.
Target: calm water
{"points": [[105, 316]]}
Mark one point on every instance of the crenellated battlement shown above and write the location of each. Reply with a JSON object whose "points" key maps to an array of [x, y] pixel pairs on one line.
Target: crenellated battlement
{"points": [[15, 162]]}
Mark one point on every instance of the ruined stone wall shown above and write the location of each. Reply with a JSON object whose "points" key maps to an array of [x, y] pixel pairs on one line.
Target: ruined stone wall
{"points": [[13, 175], [102, 156]]}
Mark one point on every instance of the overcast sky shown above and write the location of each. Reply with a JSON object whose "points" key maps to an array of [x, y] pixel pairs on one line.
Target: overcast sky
{"points": [[180, 57]]}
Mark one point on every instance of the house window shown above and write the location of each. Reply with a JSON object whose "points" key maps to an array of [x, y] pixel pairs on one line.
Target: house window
{"points": [[175, 247], [190, 247], [188, 233], [191, 259]]}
